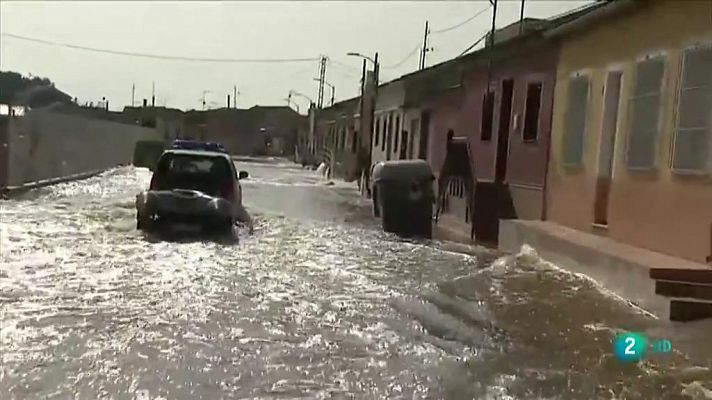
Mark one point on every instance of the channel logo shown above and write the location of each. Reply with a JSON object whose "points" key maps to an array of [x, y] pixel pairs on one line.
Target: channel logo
{"points": [[632, 347]]}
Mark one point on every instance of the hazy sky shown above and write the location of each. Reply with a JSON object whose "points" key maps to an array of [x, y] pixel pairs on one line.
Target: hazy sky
{"points": [[236, 30]]}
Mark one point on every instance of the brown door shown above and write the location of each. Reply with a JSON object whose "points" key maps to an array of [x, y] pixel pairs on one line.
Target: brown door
{"points": [[606, 152], [505, 113]]}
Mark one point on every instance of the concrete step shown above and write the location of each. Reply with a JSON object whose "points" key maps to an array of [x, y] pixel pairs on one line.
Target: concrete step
{"points": [[686, 310], [683, 289], [698, 276]]}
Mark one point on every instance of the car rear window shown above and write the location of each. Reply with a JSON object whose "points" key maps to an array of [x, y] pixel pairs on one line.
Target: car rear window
{"points": [[193, 171]]}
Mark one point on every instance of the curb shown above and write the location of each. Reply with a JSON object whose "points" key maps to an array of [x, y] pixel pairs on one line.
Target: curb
{"points": [[10, 191]]}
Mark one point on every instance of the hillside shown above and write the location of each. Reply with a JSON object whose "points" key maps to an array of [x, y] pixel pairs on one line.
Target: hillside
{"points": [[33, 92]]}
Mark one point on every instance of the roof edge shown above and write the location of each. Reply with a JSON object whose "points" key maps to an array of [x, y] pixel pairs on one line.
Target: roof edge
{"points": [[610, 8]]}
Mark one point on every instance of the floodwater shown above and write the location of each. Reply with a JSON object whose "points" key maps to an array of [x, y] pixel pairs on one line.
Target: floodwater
{"points": [[317, 304]]}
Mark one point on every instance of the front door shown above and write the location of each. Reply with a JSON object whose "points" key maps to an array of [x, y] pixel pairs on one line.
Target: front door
{"points": [[606, 152], [505, 113]]}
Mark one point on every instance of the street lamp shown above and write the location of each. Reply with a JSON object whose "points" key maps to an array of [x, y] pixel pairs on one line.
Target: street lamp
{"points": [[374, 61], [333, 89], [354, 54], [295, 93]]}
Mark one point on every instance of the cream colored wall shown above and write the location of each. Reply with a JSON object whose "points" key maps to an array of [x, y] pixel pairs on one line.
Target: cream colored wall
{"points": [[660, 210]]}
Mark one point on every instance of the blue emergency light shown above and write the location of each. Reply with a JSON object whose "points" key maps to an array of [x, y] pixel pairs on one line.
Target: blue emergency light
{"points": [[184, 144]]}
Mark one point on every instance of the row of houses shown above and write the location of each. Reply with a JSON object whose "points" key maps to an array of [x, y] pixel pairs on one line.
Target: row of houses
{"points": [[599, 120]]}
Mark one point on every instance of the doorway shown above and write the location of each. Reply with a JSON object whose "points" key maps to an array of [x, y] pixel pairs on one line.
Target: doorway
{"points": [[505, 114], [611, 100]]}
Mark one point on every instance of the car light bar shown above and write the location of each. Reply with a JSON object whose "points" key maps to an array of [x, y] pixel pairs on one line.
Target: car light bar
{"points": [[198, 145]]}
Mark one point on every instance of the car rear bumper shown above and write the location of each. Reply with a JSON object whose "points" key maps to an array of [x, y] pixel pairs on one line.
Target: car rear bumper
{"points": [[163, 208]]}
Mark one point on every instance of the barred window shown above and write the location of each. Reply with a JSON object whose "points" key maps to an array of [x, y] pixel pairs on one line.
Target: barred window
{"points": [[645, 113], [693, 134], [395, 134], [575, 120]]}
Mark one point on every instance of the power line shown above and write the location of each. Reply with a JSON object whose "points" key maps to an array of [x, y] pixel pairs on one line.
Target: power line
{"points": [[465, 21], [160, 57], [351, 67], [474, 44], [399, 63]]}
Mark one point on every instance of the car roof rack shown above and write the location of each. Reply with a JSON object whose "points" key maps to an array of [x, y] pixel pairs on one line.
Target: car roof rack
{"points": [[185, 144]]}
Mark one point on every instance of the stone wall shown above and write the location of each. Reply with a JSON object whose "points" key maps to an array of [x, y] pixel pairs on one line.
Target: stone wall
{"points": [[44, 145]]}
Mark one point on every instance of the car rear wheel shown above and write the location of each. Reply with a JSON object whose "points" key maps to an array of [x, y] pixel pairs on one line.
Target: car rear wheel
{"points": [[221, 227], [144, 223]]}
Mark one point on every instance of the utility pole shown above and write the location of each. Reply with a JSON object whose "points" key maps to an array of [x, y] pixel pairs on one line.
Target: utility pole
{"points": [[153, 94], [234, 97], [133, 95], [333, 90], [491, 50], [322, 75], [361, 106], [425, 49], [521, 19]]}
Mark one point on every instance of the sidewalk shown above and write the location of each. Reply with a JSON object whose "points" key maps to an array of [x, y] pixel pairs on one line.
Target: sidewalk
{"points": [[621, 268], [9, 191]]}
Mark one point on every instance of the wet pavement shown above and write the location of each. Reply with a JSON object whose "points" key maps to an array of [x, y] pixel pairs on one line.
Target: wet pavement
{"points": [[317, 304]]}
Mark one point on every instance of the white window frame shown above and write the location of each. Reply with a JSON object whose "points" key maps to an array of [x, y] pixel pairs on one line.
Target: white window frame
{"points": [[629, 107], [678, 100]]}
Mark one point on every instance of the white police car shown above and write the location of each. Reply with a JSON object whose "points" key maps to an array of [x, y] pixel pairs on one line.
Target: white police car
{"points": [[195, 187]]}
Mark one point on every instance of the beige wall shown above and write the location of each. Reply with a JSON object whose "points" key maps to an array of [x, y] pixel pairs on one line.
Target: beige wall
{"points": [[44, 145], [660, 210]]}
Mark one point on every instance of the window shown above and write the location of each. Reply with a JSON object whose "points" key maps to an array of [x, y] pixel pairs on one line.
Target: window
{"points": [[487, 115], [354, 141], [396, 134], [645, 113], [693, 134], [575, 120], [531, 112]]}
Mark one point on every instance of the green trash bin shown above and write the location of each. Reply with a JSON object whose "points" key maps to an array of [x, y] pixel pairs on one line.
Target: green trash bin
{"points": [[403, 197]]}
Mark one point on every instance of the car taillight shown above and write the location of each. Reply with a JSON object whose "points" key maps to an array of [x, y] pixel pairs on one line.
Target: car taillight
{"points": [[154, 183], [227, 192]]}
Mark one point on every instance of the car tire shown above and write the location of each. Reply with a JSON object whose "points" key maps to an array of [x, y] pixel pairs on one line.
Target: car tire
{"points": [[143, 223], [224, 227]]}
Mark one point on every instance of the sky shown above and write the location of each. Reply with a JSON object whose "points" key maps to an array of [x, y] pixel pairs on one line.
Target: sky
{"points": [[237, 30]]}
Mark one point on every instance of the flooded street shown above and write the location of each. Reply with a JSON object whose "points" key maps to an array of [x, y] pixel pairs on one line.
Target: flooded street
{"points": [[319, 303]]}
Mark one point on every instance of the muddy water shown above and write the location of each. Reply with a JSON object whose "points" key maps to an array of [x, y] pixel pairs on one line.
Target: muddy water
{"points": [[317, 304]]}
